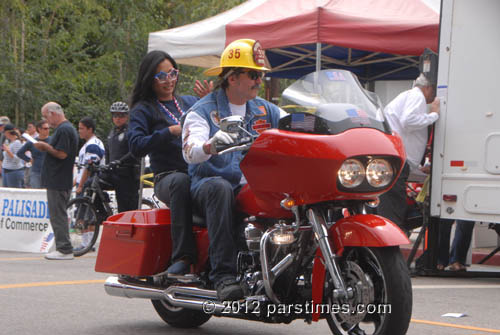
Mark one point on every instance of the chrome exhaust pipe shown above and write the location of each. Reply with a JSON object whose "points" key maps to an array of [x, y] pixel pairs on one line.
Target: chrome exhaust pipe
{"points": [[194, 298], [178, 296], [119, 287]]}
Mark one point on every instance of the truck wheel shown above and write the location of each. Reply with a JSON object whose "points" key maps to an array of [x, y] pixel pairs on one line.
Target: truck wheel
{"points": [[179, 317]]}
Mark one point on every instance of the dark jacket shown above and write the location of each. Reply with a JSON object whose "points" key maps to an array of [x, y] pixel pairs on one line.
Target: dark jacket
{"points": [[149, 134]]}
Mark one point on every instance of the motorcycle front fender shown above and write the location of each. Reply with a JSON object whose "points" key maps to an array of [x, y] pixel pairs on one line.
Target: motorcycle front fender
{"points": [[364, 230]]}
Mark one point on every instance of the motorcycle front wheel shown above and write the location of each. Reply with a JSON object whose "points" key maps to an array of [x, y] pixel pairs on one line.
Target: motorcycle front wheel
{"points": [[84, 224], [380, 300]]}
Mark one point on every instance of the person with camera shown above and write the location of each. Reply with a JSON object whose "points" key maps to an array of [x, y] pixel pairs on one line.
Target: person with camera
{"points": [[37, 156], [13, 167]]}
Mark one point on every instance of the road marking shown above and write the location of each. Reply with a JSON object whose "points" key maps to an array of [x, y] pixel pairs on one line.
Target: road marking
{"points": [[36, 258], [53, 283], [100, 281], [453, 286], [442, 324], [19, 258]]}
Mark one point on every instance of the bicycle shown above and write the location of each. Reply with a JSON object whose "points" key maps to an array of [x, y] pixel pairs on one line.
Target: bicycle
{"points": [[86, 213], [152, 201]]}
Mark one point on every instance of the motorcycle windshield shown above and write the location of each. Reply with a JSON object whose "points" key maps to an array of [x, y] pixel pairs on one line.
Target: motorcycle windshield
{"points": [[330, 102]]}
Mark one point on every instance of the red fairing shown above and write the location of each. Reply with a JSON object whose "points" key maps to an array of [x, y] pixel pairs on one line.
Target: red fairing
{"points": [[305, 166], [366, 231], [247, 202]]}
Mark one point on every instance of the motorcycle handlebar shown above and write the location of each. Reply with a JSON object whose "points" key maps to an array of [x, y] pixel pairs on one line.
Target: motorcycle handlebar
{"points": [[93, 167], [241, 144]]}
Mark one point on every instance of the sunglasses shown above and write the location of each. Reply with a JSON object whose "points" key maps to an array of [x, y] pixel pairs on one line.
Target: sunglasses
{"points": [[171, 75], [254, 75], [119, 115]]}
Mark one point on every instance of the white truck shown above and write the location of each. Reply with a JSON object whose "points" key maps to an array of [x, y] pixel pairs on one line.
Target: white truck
{"points": [[466, 153]]}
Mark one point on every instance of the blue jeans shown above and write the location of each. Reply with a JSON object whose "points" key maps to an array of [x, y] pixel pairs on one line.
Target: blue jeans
{"points": [[461, 241], [13, 178], [35, 179], [215, 200]]}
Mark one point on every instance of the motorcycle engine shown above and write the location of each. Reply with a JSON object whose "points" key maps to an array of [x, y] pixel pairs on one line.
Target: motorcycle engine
{"points": [[280, 243]]}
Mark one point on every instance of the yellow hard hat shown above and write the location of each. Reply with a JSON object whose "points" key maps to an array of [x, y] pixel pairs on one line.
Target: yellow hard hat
{"points": [[245, 53]]}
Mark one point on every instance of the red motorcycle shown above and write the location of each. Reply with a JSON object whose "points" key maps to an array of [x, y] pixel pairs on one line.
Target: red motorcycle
{"points": [[312, 251]]}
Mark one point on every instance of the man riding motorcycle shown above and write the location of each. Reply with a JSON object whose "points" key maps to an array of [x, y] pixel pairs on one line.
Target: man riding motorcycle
{"points": [[216, 178]]}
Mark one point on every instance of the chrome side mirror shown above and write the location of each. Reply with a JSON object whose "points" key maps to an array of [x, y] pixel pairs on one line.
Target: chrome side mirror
{"points": [[231, 124]]}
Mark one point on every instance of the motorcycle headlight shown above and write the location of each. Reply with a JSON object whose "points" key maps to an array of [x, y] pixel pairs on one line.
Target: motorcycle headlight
{"points": [[379, 172], [351, 173]]}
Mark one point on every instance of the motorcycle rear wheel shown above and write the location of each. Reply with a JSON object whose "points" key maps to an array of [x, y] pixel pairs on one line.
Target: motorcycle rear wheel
{"points": [[180, 317], [385, 281]]}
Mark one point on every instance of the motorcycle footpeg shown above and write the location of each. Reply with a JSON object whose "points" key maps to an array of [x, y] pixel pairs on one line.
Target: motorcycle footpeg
{"points": [[185, 279], [165, 278]]}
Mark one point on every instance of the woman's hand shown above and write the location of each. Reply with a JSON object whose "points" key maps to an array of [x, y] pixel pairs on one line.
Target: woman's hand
{"points": [[175, 130], [202, 89]]}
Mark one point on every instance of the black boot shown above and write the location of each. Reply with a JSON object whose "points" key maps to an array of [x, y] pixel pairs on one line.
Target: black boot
{"points": [[229, 289]]}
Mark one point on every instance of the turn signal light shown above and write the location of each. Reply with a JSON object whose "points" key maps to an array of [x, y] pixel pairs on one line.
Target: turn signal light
{"points": [[288, 203], [374, 203]]}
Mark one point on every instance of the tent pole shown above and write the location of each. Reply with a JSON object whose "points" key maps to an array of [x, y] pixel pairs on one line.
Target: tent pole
{"points": [[318, 66]]}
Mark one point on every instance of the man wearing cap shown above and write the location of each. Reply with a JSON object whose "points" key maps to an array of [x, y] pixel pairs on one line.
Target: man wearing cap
{"points": [[125, 178], [216, 179]]}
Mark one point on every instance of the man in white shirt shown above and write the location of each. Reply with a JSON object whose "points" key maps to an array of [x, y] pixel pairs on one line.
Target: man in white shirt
{"points": [[408, 116], [91, 151], [215, 179]]}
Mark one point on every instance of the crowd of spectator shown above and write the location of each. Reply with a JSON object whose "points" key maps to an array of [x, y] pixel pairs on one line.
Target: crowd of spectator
{"points": [[20, 161]]}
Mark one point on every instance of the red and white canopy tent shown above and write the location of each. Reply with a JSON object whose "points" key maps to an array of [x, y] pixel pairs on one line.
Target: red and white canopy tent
{"points": [[376, 39]]}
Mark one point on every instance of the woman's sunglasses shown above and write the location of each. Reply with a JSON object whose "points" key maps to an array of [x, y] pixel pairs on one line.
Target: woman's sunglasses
{"points": [[171, 75]]}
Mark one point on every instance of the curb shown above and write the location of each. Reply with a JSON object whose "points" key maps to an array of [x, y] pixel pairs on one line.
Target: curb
{"points": [[476, 256]]}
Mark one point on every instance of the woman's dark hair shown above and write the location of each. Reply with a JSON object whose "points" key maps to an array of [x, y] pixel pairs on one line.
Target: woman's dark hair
{"points": [[143, 89], [88, 122]]}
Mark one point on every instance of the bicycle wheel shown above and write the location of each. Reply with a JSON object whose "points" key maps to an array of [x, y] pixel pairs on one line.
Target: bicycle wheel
{"points": [[83, 225], [147, 204]]}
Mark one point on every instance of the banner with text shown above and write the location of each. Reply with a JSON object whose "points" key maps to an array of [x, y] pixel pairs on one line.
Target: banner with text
{"points": [[24, 220]]}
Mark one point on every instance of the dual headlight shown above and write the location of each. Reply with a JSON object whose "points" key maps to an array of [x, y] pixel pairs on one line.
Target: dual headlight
{"points": [[377, 172]]}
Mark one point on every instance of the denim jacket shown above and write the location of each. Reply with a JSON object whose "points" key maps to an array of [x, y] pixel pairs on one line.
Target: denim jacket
{"points": [[260, 115]]}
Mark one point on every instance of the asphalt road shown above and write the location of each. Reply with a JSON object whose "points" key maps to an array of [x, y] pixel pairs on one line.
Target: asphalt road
{"points": [[67, 297]]}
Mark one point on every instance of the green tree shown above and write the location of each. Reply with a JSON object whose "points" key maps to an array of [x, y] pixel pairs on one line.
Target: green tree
{"points": [[83, 54]]}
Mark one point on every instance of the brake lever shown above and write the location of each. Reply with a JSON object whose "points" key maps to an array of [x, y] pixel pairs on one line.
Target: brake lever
{"points": [[236, 148]]}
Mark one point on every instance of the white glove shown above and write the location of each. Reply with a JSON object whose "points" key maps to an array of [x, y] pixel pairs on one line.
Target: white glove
{"points": [[219, 137]]}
